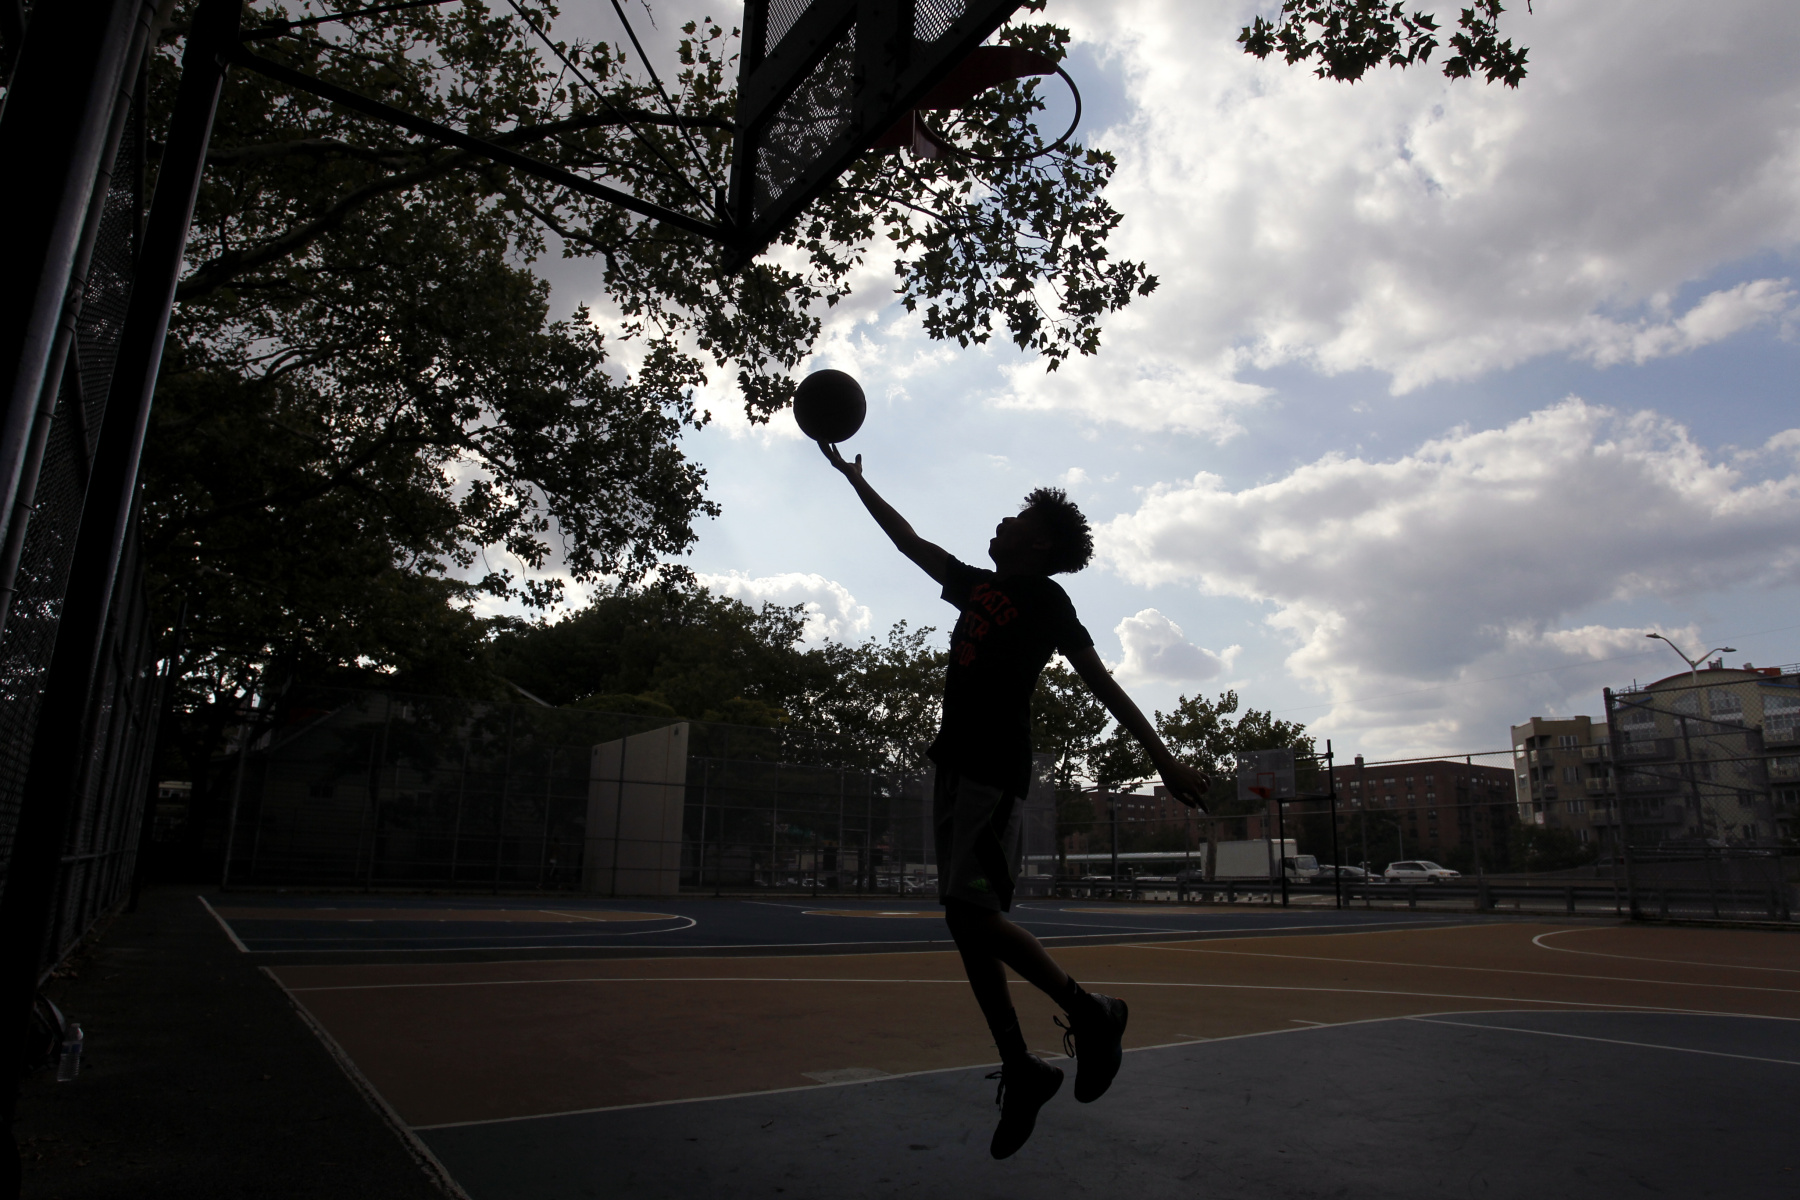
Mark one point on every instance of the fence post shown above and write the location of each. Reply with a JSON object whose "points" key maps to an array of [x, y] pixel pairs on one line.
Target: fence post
{"points": [[1571, 899], [1412, 895]]}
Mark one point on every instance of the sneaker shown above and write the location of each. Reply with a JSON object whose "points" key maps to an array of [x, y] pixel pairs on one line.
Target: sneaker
{"points": [[1096, 1042], [1024, 1088]]}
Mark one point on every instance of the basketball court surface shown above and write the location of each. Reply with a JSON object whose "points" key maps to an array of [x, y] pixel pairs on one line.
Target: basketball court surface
{"points": [[530, 1048]]}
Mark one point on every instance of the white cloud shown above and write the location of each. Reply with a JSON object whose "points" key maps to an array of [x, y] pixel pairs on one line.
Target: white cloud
{"points": [[1716, 317], [1074, 477], [831, 611], [1157, 652], [1461, 562], [1433, 230]]}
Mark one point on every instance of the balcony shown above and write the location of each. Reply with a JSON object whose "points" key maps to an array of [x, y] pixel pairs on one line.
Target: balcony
{"points": [[1649, 781], [1646, 748], [1781, 730]]}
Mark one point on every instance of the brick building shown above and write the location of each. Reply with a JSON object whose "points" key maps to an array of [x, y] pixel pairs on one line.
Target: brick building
{"points": [[1442, 806]]}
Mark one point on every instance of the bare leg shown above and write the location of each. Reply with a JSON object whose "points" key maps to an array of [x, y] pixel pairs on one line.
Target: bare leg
{"points": [[986, 939]]}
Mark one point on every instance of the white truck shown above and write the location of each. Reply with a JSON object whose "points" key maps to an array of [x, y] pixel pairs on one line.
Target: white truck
{"points": [[1260, 859]]}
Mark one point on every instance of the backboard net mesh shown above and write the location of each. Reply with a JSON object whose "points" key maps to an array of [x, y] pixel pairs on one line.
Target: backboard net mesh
{"points": [[812, 118], [932, 19], [822, 80]]}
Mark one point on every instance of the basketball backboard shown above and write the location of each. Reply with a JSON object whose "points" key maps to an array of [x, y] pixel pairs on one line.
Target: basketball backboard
{"points": [[1265, 775], [820, 81]]}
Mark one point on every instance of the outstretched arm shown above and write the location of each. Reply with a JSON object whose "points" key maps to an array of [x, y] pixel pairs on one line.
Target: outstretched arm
{"points": [[1184, 782], [933, 559]]}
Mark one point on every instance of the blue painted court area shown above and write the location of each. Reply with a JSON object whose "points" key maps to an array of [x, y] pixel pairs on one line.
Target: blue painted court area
{"points": [[361, 924], [1502, 1105]]}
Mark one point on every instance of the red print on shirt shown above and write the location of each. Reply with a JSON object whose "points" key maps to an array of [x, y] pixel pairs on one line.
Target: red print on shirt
{"points": [[996, 604]]}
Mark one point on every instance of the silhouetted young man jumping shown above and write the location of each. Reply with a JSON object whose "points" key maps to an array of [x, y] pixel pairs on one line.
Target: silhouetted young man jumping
{"points": [[1012, 619]]}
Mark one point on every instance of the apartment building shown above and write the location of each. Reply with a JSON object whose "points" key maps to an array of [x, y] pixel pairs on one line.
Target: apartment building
{"points": [[1560, 773], [1711, 755]]}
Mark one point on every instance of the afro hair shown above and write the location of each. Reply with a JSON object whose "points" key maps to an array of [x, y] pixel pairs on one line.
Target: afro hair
{"points": [[1071, 541]]}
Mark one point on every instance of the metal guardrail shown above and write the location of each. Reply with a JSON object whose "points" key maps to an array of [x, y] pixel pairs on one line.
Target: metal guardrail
{"points": [[1775, 903]]}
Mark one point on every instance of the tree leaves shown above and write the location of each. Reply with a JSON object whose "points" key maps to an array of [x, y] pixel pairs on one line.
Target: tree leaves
{"points": [[367, 414], [679, 651], [1348, 37]]}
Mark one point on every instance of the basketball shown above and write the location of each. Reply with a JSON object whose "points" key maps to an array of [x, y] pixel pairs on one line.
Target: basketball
{"points": [[829, 406]]}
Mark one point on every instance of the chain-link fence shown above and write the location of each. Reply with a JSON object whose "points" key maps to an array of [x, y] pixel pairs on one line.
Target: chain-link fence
{"points": [[35, 556], [1705, 794], [375, 790]]}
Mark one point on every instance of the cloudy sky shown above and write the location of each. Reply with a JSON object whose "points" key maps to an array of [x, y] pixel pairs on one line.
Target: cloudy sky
{"points": [[1449, 392]]}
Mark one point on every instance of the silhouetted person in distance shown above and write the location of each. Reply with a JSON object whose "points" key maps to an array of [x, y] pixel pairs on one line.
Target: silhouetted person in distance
{"points": [[1011, 620]]}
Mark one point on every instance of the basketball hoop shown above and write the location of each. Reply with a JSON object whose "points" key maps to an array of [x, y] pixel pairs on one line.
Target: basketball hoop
{"points": [[956, 151], [986, 67]]}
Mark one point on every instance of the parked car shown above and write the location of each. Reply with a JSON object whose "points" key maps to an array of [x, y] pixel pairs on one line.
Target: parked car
{"points": [[1419, 870], [1357, 875]]}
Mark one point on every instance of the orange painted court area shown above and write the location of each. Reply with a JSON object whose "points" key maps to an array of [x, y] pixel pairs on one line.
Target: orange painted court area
{"points": [[446, 1043]]}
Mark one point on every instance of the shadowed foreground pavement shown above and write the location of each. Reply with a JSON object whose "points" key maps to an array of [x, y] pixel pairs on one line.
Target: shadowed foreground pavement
{"points": [[1470, 1104], [199, 1081]]}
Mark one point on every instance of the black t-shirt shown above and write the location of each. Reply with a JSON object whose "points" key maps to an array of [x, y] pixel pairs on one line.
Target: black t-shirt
{"points": [[1006, 633]]}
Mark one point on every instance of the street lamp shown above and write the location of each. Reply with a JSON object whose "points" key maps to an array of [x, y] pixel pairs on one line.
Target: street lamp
{"points": [[1693, 663]]}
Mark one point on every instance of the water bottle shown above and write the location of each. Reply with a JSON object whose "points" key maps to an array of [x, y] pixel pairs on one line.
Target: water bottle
{"points": [[69, 1065]]}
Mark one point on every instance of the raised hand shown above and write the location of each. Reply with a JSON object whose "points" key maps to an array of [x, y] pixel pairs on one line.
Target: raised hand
{"points": [[1185, 784], [851, 470]]}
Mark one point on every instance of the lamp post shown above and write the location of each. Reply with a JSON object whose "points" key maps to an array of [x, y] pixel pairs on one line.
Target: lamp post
{"points": [[1693, 663], [1687, 753]]}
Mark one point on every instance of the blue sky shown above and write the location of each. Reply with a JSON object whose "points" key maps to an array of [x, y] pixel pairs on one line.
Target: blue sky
{"points": [[1449, 393]]}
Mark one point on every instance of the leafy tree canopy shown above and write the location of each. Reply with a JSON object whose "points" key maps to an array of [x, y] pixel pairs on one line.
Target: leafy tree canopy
{"points": [[676, 651], [1203, 732], [1070, 724], [1348, 37], [369, 419], [1066, 722]]}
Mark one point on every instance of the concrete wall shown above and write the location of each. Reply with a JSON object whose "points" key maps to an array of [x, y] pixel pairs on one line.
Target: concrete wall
{"points": [[636, 788]]}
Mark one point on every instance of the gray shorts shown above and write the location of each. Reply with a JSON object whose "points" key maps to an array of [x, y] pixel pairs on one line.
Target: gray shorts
{"points": [[977, 828]]}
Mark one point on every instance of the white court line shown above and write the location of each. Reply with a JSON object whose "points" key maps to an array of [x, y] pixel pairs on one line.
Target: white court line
{"points": [[1190, 1040], [1189, 935], [429, 1162], [453, 983], [1680, 962], [1376, 962], [580, 916], [454, 937], [1582, 1037], [225, 925], [1116, 983]]}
